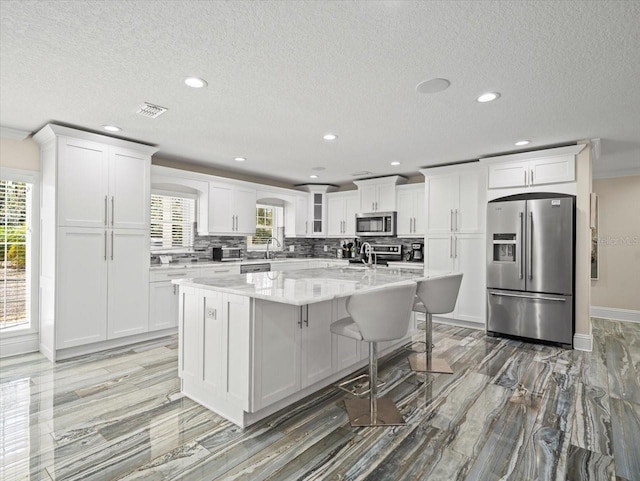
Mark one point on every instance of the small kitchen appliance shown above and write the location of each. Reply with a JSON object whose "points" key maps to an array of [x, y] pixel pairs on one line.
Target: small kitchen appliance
{"points": [[225, 254], [416, 252], [376, 224]]}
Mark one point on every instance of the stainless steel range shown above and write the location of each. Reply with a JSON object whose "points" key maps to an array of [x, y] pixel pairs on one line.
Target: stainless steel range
{"points": [[384, 253]]}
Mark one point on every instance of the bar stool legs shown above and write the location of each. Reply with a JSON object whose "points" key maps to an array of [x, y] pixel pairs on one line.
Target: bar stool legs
{"points": [[373, 411], [424, 361]]}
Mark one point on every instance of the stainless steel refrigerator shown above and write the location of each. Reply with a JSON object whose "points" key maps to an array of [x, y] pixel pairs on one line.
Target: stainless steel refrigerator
{"points": [[531, 266]]}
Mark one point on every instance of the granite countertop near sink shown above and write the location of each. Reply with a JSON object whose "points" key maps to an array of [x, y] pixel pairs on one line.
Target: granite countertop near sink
{"points": [[210, 263], [307, 286]]}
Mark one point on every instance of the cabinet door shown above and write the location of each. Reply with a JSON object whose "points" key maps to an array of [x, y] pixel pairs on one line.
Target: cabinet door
{"points": [[129, 185], [245, 210], [470, 260], [191, 315], [128, 282], [419, 218], [405, 212], [468, 216], [163, 306], [386, 197], [345, 351], [81, 317], [302, 215], [317, 214], [368, 198], [221, 213], [351, 204], [552, 170], [212, 350], [276, 360], [438, 252], [442, 200], [316, 343], [335, 216], [508, 174], [83, 178]]}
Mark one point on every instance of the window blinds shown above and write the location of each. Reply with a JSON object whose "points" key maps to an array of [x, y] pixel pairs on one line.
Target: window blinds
{"points": [[172, 221]]}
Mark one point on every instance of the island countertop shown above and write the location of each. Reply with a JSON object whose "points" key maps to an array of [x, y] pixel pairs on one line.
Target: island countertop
{"points": [[307, 286]]}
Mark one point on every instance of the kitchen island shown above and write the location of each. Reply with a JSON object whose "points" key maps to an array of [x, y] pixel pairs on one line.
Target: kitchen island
{"points": [[253, 344]]}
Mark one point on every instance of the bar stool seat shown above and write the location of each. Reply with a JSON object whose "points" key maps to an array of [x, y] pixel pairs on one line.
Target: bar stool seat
{"points": [[376, 315], [434, 296]]}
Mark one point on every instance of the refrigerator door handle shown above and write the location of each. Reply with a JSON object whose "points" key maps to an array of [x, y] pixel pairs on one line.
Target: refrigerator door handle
{"points": [[521, 254], [503, 294], [530, 232]]}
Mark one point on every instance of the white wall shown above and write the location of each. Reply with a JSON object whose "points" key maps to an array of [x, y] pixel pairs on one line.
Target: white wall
{"points": [[19, 154]]}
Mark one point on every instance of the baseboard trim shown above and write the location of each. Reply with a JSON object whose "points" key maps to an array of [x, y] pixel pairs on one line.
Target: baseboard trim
{"points": [[15, 345], [460, 323], [615, 314], [583, 342]]}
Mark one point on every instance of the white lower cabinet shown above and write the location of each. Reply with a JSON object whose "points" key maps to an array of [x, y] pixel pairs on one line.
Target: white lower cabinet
{"points": [[461, 253], [103, 285], [163, 305]]}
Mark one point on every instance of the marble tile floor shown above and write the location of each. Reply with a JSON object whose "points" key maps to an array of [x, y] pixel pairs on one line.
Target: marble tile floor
{"points": [[511, 411]]}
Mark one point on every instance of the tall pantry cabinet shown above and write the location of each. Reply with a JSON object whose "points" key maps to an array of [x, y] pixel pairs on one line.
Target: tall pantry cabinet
{"points": [[455, 203], [95, 240]]}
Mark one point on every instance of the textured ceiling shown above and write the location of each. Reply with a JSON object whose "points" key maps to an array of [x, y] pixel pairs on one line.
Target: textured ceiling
{"points": [[281, 74]]}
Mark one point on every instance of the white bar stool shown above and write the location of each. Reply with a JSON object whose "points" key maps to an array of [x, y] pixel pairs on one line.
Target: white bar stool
{"points": [[434, 296], [380, 314]]}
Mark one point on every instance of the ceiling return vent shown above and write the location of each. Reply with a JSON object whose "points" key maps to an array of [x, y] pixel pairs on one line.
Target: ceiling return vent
{"points": [[151, 111]]}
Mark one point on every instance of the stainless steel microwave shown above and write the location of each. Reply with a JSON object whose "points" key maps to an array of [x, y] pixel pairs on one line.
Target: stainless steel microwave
{"points": [[376, 224]]}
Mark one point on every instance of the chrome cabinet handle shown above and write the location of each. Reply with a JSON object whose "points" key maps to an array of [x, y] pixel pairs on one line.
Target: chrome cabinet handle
{"points": [[530, 270], [451, 247], [106, 209], [111, 245], [455, 218], [521, 253], [113, 208], [451, 220], [105, 245], [531, 176], [525, 177], [174, 289], [301, 316]]}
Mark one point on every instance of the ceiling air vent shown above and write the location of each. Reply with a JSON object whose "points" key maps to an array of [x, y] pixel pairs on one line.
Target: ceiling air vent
{"points": [[361, 173], [150, 110]]}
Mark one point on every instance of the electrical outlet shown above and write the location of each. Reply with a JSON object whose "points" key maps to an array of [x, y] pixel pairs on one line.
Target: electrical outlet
{"points": [[326, 248], [291, 248], [211, 313]]}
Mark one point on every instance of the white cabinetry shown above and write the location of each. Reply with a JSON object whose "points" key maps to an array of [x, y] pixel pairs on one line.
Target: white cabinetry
{"points": [[529, 169], [232, 209], [411, 218], [317, 212], [302, 216], [341, 212], [95, 237], [378, 195], [454, 239]]}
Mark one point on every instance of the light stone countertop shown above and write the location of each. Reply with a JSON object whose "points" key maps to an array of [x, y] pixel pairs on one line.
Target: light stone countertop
{"points": [[307, 286], [194, 265]]}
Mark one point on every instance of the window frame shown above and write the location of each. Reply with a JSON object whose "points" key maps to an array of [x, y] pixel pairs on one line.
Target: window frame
{"points": [[185, 195], [33, 251], [278, 225]]}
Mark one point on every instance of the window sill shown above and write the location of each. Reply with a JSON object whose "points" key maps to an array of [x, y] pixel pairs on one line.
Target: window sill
{"points": [[16, 331]]}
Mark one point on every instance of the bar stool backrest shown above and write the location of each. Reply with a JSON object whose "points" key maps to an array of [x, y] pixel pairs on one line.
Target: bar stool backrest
{"points": [[439, 295], [383, 314]]}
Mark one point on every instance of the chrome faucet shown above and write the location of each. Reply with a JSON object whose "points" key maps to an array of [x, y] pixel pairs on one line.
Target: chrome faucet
{"points": [[267, 255], [368, 251]]}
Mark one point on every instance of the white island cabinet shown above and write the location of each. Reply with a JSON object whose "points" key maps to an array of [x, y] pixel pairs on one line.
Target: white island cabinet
{"points": [[252, 344]]}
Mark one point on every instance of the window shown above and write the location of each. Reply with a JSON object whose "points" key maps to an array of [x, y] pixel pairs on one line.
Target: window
{"points": [[172, 221], [15, 259], [269, 223]]}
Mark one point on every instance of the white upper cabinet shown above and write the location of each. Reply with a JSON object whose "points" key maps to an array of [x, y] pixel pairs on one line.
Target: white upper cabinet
{"points": [[550, 166], [378, 195], [341, 214], [411, 219], [301, 221], [317, 211], [109, 186], [232, 209], [455, 199]]}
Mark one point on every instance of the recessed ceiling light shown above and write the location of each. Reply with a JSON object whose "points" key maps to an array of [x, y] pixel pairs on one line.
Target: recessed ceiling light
{"points": [[488, 97], [318, 169], [522, 142], [395, 162], [329, 136], [313, 176], [111, 128], [433, 86], [195, 82], [240, 159]]}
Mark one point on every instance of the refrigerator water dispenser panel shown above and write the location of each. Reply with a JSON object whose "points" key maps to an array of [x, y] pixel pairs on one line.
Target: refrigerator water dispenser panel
{"points": [[504, 247]]}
